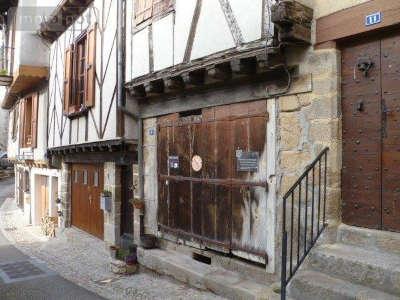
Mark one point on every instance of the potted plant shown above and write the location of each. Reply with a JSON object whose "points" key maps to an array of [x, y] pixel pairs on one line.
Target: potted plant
{"points": [[138, 203]]}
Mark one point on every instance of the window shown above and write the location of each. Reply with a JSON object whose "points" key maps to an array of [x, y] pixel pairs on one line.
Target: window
{"points": [[146, 9], [28, 120], [14, 124], [85, 177], [80, 74], [96, 178]]}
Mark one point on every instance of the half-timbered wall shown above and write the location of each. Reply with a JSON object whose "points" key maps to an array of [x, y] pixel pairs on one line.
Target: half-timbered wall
{"points": [[194, 29], [37, 153], [101, 121]]}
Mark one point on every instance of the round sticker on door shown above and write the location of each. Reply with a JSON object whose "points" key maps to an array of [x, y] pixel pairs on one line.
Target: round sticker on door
{"points": [[197, 163]]}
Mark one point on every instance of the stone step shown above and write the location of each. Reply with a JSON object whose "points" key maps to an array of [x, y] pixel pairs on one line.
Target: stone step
{"points": [[369, 238], [202, 276], [311, 285], [360, 266]]}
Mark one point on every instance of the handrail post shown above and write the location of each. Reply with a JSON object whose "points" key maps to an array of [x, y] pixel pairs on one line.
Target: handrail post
{"points": [[283, 269], [315, 213]]}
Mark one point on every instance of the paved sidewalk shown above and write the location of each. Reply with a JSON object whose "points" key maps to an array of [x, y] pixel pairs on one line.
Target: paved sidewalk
{"points": [[83, 259]]}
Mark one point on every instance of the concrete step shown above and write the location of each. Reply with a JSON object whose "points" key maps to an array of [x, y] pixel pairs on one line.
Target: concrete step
{"points": [[377, 270], [311, 285], [202, 276], [369, 238]]}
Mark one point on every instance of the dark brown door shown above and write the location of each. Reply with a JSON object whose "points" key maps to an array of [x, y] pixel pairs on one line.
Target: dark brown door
{"points": [[127, 196], [202, 195], [87, 185], [371, 138]]}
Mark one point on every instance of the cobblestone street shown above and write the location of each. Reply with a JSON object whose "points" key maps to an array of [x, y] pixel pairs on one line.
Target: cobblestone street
{"points": [[83, 260]]}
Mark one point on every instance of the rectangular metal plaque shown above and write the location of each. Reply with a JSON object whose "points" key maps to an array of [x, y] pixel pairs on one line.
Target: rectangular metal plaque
{"points": [[173, 162], [247, 161], [373, 19]]}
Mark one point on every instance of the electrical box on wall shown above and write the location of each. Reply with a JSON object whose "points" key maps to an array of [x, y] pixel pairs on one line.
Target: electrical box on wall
{"points": [[105, 202]]}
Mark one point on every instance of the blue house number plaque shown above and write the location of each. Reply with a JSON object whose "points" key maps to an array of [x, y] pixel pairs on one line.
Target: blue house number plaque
{"points": [[373, 19]]}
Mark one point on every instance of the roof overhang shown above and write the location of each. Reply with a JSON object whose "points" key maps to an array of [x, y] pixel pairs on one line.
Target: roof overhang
{"points": [[65, 14], [6, 5], [25, 79], [200, 75]]}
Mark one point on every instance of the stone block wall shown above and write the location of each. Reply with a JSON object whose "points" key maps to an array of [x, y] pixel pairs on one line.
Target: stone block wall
{"points": [[112, 219], [65, 194], [309, 122]]}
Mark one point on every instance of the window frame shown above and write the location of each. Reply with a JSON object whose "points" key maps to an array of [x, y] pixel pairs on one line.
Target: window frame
{"points": [[80, 73], [138, 25], [28, 120], [74, 105]]}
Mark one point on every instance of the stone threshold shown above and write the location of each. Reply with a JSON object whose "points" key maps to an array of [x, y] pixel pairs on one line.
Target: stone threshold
{"points": [[220, 281]]}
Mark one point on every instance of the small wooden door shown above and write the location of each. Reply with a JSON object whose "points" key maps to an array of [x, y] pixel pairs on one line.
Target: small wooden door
{"points": [[202, 193], [371, 133], [87, 184]]}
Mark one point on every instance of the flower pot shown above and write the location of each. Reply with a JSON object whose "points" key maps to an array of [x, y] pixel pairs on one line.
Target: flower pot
{"points": [[148, 241], [138, 204]]}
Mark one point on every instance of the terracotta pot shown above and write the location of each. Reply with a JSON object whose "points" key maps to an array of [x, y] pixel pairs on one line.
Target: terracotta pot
{"points": [[138, 204], [148, 241]]}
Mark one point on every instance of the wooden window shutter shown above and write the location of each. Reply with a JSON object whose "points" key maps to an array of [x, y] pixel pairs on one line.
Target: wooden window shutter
{"points": [[22, 123], [143, 10], [35, 106], [68, 80], [90, 88], [160, 6]]}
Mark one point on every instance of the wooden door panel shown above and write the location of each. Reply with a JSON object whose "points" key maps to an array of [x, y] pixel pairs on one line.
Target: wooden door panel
{"points": [[86, 212], [391, 132], [361, 107], [207, 204]]}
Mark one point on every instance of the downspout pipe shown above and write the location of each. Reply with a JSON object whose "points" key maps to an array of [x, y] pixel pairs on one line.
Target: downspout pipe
{"points": [[121, 93]]}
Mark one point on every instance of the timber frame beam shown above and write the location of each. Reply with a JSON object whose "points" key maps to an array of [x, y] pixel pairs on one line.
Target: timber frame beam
{"points": [[66, 13], [202, 75]]}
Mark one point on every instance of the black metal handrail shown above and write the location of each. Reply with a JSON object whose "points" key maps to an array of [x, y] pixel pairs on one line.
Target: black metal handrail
{"points": [[308, 223]]}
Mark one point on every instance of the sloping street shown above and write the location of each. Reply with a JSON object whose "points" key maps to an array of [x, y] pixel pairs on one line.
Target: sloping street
{"points": [[80, 258], [22, 277]]}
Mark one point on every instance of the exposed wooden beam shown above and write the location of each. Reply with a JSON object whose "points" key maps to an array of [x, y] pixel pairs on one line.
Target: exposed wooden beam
{"points": [[174, 84], [154, 88]]}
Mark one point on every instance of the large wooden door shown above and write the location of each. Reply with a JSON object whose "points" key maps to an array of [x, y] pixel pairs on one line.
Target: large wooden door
{"points": [[203, 194], [87, 184], [371, 133]]}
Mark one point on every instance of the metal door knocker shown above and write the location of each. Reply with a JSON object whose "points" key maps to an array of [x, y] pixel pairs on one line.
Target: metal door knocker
{"points": [[364, 65]]}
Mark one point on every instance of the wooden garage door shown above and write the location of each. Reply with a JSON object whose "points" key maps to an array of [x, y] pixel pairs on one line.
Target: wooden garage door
{"points": [[371, 133], [87, 184], [212, 176]]}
